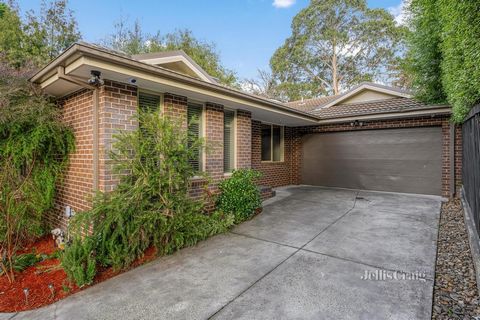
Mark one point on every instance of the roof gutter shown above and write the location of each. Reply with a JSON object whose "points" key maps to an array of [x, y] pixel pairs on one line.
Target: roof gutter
{"points": [[158, 71]]}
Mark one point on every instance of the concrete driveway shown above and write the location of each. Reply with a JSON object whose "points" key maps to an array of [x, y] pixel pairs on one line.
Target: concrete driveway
{"points": [[304, 257]]}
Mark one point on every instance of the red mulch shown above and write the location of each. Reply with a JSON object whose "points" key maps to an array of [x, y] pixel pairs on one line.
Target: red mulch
{"points": [[12, 297]]}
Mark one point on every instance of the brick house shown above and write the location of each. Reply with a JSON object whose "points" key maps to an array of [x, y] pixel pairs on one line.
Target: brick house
{"points": [[371, 137]]}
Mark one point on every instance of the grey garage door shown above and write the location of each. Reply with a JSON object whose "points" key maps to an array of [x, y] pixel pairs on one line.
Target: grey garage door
{"points": [[400, 160]]}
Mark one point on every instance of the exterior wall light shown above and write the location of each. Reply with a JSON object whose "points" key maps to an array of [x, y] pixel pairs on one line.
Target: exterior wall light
{"points": [[357, 123]]}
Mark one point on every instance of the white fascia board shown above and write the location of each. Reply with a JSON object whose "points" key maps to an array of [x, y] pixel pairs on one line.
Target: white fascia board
{"points": [[362, 88]]}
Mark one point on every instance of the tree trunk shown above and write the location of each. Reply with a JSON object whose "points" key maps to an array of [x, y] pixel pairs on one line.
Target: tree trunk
{"points": [[334, 68]]}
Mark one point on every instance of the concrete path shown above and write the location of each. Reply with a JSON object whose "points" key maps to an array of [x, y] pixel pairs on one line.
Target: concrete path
{"points": [[304, 257]]}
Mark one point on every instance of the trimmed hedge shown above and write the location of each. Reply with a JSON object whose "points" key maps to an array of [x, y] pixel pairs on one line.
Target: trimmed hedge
{"points": [[444, 53]]}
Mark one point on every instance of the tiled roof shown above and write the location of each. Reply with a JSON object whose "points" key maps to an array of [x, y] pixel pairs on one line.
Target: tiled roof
{"points": [[309, 105], [322, 106], [370, 107]]}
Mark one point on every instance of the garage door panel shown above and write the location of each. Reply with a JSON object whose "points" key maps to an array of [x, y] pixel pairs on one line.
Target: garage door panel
{"points": [[377, 167], [382, 183], [402, 160]]}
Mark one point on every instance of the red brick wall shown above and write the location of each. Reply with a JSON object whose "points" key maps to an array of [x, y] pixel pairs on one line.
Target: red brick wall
{"points": [[175, 107], [244, 139], [214, 139], [117, 110], [77, 185]]}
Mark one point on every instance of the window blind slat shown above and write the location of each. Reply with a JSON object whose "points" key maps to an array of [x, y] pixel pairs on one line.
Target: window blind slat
{"points": [[148, 102], [228, 141], [194, 117]]}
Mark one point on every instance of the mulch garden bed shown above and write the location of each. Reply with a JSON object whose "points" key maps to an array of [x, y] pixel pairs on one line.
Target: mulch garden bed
{"points": [[46, 281], [455, 293]]}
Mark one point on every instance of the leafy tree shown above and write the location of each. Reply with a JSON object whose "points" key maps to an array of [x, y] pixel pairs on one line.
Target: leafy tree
{"points": [[133, 40], [424, 53], [38, 39], [34, 148], [54, 29], [334, 45], [12, 36]]}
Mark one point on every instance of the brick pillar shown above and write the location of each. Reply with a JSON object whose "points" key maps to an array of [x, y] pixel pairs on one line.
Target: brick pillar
{"points": [[244, 139], [175, 107], [214, 139], [117, 108], [296, 156], [75, 189]]}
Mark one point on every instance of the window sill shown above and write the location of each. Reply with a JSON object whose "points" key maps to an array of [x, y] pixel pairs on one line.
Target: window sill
{"points": [[227, 174], [198, 179], [273, 162]]}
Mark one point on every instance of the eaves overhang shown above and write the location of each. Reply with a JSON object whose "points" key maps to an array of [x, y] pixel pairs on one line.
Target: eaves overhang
{"points": [[77, 60]]}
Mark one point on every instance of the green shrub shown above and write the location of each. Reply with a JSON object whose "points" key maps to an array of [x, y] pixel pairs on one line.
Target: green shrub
{"points": [[239, 194], [151, 205], [34, 148], [78, 261], [187, 230]]}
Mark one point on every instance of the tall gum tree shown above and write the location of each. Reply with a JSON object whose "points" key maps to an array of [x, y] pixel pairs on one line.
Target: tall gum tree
{"points": [[336, 44]]}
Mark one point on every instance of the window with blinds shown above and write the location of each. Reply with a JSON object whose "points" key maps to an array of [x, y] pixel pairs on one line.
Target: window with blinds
{"points": [[148, 102], [228, 141], [194, 119], [272, 142]]}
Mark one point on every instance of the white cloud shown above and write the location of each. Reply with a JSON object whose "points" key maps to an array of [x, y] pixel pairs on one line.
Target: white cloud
{"points": [[399, 12], [283, 3]]}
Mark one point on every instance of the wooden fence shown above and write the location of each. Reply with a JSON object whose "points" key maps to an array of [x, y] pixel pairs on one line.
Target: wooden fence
{"points": [[471, 163]]}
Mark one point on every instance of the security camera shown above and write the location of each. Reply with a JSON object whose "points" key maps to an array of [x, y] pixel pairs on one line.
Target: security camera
{"points": [[95, 78], [132, 80]]}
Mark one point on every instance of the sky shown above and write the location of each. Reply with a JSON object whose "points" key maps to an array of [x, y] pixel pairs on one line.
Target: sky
{"points": [[246, 32]]}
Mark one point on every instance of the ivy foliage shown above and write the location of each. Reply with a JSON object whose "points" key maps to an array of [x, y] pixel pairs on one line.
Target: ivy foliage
{"points": [[444, 52], [151, 205], [34, 149], [239, 194]]}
